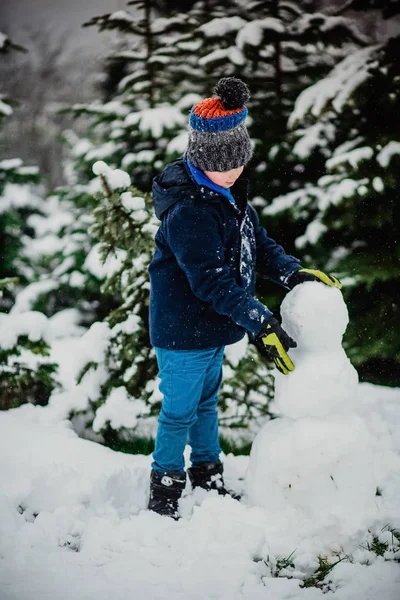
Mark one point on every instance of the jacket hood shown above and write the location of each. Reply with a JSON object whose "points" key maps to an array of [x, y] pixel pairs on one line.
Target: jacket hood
{"points": [[176, 182], [171, 185]]}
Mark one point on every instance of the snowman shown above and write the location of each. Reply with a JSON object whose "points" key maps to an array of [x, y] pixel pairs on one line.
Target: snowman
{"points": [[316, 457]]}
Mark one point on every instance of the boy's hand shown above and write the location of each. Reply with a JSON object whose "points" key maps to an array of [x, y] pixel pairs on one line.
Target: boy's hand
{"points": [[274, 341], [313, 275]]}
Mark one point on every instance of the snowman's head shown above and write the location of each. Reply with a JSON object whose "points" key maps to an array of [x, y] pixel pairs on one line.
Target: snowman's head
{"points": [[315, 315]]}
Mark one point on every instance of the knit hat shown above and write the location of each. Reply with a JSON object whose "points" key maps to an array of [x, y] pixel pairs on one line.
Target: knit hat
{"points": [[218, 137]]}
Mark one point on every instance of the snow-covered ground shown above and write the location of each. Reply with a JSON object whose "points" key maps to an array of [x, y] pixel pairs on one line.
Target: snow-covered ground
{"points": [[73, 524], [321, 486]]}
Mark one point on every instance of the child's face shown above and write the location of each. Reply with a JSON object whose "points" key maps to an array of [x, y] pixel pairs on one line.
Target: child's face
{"points": [[224, 178]]}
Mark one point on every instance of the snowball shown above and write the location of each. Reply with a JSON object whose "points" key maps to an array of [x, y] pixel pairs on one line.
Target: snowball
{"points": [[324, 381], [319, 468], [315, 315]]}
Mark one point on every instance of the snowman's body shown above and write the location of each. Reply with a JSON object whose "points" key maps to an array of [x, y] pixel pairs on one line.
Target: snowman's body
{"points": [[316, 458]]}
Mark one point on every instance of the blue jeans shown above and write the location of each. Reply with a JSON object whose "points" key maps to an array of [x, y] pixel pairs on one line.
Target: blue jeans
{"points": [[190, 381]]}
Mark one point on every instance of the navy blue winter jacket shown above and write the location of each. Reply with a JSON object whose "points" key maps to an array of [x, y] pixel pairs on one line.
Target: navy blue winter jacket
{"points": [[202, 275]]}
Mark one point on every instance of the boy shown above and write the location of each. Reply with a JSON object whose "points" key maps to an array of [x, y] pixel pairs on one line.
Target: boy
{"points": [[202, 275]]}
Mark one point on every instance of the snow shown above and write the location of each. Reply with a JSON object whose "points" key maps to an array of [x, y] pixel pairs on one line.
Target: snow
{"points": [[378, 185], [326, 24], [222, 26], [116, 178], [115, 107], [65, 324], [119, 411], [163, 23], [385, 155], [336, 88], [231, 54], [132, 203], [9, 164], [332, 190], [106, 150], [100, 168], [188, 100], [95, 265], [72, 353], [352, 158], [32, 324], [178, 144], [315, 136], [141, 157], [5, 108], [156, 119], [252, 33], [81, 147], [74, 509], [56, 217], [316, 317], [3, 39], [297, 198], [313, 232], [16, 196], [28, 296], [121, 15], [130, 326], [247, 241], [318, 466], [73, 523], [47, 245]]}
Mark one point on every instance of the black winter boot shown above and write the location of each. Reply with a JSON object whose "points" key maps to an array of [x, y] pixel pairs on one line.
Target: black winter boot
{"points": [[165, 490], [209, 476]]}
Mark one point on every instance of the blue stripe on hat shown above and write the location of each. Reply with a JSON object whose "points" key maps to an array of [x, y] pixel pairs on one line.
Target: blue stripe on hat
{"points": [[217, 123]]}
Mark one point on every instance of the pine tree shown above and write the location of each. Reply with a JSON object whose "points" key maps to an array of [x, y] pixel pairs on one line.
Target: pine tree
{"points": [[18, 199], [25, 373], [279, 48], [133, 129], [347, 217]]}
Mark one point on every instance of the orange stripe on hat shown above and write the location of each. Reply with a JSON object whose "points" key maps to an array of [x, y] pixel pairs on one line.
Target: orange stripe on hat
{"points": [[211, 108]]}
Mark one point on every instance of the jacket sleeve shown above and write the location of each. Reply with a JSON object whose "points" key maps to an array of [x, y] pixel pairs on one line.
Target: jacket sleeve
{"points": [[272, 261], [194, 237]]}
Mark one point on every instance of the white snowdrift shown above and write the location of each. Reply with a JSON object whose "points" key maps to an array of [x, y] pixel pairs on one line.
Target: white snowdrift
{"points": [[74, 524]]}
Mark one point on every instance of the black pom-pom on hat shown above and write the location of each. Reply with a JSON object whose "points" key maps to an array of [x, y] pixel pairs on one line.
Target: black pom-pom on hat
{"points": [[232, 92]]}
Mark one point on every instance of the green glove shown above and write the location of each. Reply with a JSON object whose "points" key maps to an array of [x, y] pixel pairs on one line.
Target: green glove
{"points": [[313, 275], [275, 342]]}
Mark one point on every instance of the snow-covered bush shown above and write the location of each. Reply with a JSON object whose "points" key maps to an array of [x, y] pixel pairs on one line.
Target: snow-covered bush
{"points": [[26, 372]]}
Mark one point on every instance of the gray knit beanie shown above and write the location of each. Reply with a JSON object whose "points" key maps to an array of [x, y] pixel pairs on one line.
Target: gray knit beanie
{"points": [[218, 137]]}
